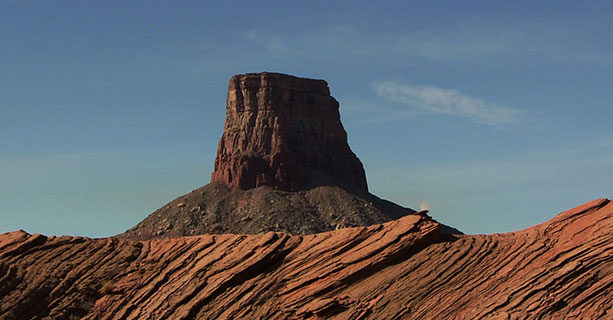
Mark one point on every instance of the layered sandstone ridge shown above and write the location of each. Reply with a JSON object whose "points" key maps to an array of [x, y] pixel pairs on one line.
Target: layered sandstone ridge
{"points": [[403, 269], [284, 132]]}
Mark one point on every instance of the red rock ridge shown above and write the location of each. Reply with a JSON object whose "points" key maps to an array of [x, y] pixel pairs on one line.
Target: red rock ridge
{"points": [[403, 269], [284, 132]]}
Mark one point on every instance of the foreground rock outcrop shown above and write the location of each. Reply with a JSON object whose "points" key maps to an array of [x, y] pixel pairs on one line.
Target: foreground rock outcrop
{"points": [[403, 269], [283, 164]]}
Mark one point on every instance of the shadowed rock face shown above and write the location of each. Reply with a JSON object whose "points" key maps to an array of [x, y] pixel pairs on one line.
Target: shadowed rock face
{"points": [[284, 132], [403, 269]]}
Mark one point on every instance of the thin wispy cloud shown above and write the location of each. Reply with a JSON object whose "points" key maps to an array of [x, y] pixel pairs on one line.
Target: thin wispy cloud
{"points": [[517, 41], [445, 101], [606, 142], [456, 47], [474, 45], [271, 43]]}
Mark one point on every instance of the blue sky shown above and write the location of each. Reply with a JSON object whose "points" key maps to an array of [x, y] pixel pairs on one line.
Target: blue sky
{"points": [[497, 114]]}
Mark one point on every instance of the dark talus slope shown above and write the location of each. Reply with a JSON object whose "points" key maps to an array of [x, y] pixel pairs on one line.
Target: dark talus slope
{"points": [[283, 164], [217, 208], [404, 269]]}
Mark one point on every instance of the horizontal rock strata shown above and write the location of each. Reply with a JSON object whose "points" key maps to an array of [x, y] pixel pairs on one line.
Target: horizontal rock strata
{"points": [[284, 132], [404, 269]]}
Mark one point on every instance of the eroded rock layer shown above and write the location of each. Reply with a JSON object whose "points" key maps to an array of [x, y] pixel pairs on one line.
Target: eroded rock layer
{"points": [[404, 269], [284, 132]]}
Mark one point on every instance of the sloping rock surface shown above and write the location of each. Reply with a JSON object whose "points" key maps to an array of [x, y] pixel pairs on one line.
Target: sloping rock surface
{"points": [[217, 208], [404, 269]]}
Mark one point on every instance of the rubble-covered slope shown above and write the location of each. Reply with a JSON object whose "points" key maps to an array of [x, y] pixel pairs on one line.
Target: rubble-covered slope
{"points": [[217, 208], [403, 269]]}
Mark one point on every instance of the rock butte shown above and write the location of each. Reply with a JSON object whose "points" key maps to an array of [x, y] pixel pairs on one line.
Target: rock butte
{"points": [[283, 164], [284, 132], [403, 269]]}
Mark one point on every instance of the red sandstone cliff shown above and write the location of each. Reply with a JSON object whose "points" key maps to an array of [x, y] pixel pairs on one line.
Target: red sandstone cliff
{"points": [[284, 132], [404, 269]]}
